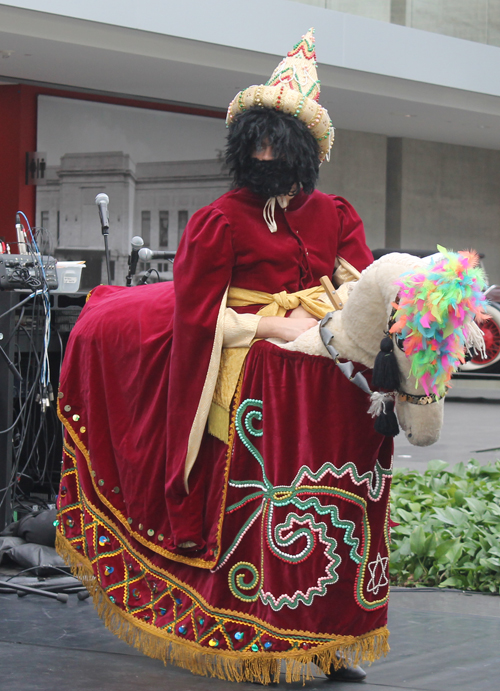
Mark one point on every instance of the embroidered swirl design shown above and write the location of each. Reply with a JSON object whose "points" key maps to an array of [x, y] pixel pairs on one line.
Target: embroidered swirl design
{"points": [[237, 584], [296, 538]]}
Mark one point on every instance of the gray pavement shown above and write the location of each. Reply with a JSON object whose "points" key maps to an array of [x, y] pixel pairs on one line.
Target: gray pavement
{"points": [[440, 641], [471, 429]]}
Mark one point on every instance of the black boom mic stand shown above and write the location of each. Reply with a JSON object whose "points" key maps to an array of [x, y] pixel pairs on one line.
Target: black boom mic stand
{"points": [[137, 242], [102, 201]]}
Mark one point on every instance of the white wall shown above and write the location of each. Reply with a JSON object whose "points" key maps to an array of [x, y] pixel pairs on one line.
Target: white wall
{"points": [[472, 20], [451, 196], [357, 171], [372, 9]]}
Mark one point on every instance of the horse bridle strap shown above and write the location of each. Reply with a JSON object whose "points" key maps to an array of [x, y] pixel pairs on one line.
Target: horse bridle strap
{"points": [[347, 368], [425, 399]]}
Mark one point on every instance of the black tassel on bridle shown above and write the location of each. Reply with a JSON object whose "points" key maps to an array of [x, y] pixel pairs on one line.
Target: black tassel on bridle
{"points": [[386, 422], [385, 370], [386, 376]]}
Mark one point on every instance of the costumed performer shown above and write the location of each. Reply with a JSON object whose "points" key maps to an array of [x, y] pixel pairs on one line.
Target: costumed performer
{"points": [[226, 501]]}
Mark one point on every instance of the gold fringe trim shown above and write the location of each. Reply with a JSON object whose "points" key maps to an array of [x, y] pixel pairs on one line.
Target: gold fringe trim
{"points": [[223, 664]]}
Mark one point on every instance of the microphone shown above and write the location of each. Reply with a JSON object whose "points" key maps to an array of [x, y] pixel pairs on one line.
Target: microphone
{"points": [[21, 236], [137, 242], [146, 255], [102, 201]]}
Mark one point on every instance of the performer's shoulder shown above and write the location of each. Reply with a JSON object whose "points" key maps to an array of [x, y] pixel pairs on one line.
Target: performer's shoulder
{"points": [[233, 202], [333, 201], [230, 198], [327, 198], [219, 205], [213, 212]]}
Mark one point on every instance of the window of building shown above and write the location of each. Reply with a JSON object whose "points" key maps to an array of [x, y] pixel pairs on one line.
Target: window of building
{"points": [[163, 228], [146, 227], [44, 220], [182, 219]]}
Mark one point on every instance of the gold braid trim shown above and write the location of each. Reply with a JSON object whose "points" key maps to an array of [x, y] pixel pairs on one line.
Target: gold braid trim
{"points": [[222, 664], [229, 453], [192, 561]]}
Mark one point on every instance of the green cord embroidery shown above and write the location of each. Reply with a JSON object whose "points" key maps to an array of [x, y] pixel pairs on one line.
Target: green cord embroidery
{"points": [[303, 527]]}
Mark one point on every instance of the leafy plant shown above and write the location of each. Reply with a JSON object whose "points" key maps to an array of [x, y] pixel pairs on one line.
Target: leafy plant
{"points": [[449, 527]]}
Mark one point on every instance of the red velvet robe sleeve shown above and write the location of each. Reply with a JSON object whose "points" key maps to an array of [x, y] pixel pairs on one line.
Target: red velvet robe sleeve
{"points": [[203, 267], [352, 242]]}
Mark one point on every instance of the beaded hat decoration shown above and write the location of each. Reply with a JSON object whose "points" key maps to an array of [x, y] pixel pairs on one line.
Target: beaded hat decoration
{"points": [[293, 88], [437, 305]]}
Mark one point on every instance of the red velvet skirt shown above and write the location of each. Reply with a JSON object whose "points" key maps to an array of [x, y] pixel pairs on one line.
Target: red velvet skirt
{"points": [[294, 510]]}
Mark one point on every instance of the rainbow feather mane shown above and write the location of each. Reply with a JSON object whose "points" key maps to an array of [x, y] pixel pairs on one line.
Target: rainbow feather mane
{"points": [[436, 305]]}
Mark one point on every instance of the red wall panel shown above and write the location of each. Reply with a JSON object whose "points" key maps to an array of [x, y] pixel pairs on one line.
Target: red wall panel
{"points": [[17, 136]]}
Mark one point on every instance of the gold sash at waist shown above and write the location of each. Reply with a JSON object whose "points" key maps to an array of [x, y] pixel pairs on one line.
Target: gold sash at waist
{"points": [[232, 359], [278, 304]]}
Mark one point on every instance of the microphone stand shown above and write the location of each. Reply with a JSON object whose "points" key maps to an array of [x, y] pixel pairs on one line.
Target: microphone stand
{"points": [[128, 277], [102, 201], [137, 243], [105, 233]]}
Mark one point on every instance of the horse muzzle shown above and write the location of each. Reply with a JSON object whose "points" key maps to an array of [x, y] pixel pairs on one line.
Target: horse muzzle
{"points": [[420, 417]]}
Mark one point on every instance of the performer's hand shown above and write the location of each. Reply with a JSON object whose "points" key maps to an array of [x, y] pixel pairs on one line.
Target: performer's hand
{"points": [[299, 313], [283, 327]]}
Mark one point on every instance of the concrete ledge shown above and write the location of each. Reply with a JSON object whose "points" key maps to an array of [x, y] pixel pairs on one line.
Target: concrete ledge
{"points": [[475, 390]]}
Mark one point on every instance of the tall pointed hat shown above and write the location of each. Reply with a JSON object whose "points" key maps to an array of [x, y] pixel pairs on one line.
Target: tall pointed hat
{"points": [[293, 88]]}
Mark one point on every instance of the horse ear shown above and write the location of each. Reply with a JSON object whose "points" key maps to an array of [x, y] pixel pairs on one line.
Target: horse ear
{"points": [[387, 423], [385, 370]]}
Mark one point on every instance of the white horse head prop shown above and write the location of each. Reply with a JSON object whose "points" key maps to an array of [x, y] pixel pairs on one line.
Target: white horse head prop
{"points": [[423, 311]]}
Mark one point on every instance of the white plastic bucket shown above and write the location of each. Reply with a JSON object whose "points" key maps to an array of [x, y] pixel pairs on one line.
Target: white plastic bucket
{"points": [[69, 275]]}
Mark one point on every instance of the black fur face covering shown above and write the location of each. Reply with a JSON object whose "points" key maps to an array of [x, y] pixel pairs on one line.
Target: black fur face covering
{"points": [[271, 178], [295, 163]]}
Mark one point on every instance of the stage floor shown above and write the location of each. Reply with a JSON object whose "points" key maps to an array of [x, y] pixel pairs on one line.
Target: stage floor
{"points": [[440, 641]]}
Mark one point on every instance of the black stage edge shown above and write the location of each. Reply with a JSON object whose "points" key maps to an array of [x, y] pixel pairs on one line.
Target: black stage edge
{"points": [[440, 641]]}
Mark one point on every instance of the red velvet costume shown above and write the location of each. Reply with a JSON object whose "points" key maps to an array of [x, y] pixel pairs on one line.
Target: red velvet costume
{"points": [[289, 519]]}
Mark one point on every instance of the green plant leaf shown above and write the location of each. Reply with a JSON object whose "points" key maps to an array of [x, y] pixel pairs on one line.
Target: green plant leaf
{"points": [[478, 507], [405, 515], [419, 571], [443, 548], [450, 583], [436, 466], [450, 527], [417, 541], [456, 517]]}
